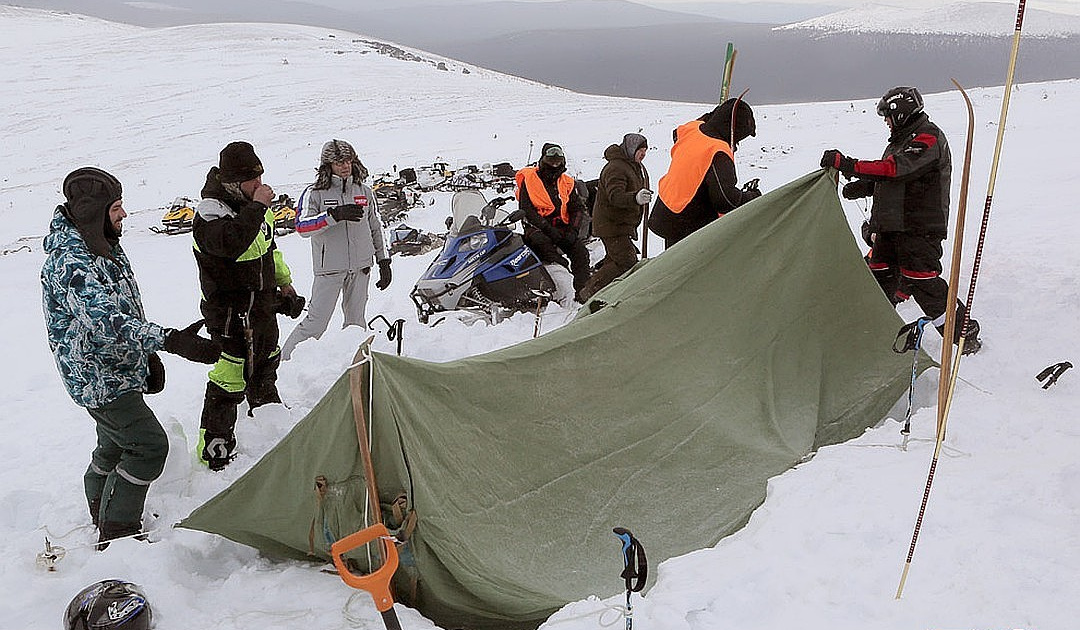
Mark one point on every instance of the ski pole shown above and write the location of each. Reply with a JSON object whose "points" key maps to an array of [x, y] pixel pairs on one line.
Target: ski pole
{"points": [[943, 417], [635, 569], [912, 334], [645, 218]]}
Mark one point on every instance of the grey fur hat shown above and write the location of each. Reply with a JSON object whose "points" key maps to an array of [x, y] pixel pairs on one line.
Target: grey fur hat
{"points": [[337, 151]]}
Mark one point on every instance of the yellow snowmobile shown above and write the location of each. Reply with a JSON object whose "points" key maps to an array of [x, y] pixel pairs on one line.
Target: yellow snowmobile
{"points": [[284, 215], [179, 217]]}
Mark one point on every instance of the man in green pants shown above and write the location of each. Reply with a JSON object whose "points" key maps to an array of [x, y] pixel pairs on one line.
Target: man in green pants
{"points": [[105, 349]]}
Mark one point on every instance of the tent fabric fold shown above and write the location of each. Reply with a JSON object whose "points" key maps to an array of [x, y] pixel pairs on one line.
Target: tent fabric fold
{"points": [[663, 407]]}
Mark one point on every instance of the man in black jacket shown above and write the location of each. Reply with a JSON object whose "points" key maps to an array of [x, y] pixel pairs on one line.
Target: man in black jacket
{"points": [[910, 214], [553, 214], [244, 282], [700, 185]]}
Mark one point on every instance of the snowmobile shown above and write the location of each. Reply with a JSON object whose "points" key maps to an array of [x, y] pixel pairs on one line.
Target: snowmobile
{"points": [[406, 240], [179, 217], [284, 215], [484, 270]]}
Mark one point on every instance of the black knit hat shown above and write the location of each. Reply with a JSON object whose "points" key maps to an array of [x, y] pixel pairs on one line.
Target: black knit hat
{"points": [[90, 192], [719, 123], [238, 163]]}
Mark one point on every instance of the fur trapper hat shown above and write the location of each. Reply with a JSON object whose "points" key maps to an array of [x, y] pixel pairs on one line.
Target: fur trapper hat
{"points": [[90, 192]]}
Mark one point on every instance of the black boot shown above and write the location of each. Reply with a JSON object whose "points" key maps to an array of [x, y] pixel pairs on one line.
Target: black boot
{"points": [[972, 343], [110, 531], [95, 509], [217, 450]]}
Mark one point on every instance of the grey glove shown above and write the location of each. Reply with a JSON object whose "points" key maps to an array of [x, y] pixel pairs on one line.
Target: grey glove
{"points": [[643, 197]]}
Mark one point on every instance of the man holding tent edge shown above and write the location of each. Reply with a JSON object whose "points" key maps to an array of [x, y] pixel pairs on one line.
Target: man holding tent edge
{"points": [[700, 185], [910, 215]]}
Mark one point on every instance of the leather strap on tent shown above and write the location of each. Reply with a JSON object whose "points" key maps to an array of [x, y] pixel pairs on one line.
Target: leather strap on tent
{"points": [[691, 157], [320, 494]]}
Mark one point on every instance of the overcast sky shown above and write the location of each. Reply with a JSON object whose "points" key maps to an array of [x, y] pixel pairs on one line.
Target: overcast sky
{"points": [[1061, 6]]}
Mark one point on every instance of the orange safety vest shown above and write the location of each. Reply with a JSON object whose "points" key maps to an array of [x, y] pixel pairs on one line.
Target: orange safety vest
{"points": [[690, 160], [538, 193]]}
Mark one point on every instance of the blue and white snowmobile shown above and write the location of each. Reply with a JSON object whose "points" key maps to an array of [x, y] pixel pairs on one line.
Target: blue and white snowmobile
{"points": [[484, 270]]}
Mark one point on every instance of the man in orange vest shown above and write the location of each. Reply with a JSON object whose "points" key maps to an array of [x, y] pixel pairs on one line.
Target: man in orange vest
{"points": [[700, 185], [553, 214]]}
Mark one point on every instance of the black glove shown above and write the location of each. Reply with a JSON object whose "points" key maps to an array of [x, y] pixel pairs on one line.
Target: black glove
{"points": [[291, 305], [753, 193], [858, 189], [347, 212], [835, 159], [384, 274], [155, 379], [750, 190], [866, 233], [188, 344]]}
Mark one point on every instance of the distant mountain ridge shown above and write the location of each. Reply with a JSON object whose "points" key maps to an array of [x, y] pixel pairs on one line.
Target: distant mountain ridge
{"points": [[959, 18]]}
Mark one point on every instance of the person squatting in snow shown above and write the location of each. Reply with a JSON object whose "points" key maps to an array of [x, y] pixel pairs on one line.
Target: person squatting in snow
{"points": [[700, 184], [553, 214], [105, 349], [245, 283], [340, 216], [622, 195], [910, 214]]}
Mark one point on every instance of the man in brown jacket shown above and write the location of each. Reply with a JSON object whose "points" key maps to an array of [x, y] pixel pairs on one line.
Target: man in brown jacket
{"points": [[621, 196]]}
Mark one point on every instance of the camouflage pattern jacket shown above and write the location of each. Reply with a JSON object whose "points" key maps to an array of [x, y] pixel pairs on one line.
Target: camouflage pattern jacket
{"points": [[97, 330]]}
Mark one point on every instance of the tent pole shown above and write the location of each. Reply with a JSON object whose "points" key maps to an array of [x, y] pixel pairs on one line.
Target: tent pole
{"points": [[357, 391]]}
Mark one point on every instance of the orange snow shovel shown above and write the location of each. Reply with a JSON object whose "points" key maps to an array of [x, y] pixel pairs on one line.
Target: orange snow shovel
{"points": [[377, 582]]}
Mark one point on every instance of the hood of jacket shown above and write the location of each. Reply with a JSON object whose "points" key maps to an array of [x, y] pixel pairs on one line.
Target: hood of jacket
{"points": [[64, 236], [616, 152], [718, 122]]}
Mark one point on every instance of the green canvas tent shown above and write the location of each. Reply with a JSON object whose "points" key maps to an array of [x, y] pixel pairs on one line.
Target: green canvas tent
{"points": [[664, 407]]}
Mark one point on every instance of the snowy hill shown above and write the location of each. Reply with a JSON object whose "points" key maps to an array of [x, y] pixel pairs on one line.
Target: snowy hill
{"points": [[959, 18], [999, 547]]}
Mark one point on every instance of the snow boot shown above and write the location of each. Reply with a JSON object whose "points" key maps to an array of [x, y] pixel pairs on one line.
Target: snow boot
{"points": [[110, 531], [216, 451], [972, 343]]}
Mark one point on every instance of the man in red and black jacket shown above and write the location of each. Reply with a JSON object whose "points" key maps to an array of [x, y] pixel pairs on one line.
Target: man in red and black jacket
{"points": [[910, 215]]}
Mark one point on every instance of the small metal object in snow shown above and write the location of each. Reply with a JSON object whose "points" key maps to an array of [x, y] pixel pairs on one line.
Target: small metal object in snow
{"points": [[50, 556]]}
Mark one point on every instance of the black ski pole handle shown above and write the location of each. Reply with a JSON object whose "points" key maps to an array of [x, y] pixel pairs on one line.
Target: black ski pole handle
{"points": [[635, 564], [1052, 373]]}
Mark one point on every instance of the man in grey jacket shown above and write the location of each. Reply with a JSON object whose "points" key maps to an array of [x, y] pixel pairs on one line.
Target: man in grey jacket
{"points": [[340, 216]]}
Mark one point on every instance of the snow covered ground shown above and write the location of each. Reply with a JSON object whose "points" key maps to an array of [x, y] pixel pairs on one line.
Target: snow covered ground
{"points": [[999, 547], [953, 18]]}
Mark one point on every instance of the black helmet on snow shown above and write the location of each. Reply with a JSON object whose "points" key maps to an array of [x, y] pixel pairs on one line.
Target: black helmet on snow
{"points": [[900, 104], [109, 605]]}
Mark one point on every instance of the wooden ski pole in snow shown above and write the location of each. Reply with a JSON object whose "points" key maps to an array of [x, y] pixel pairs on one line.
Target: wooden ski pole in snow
{"points": [[943, 414]]}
